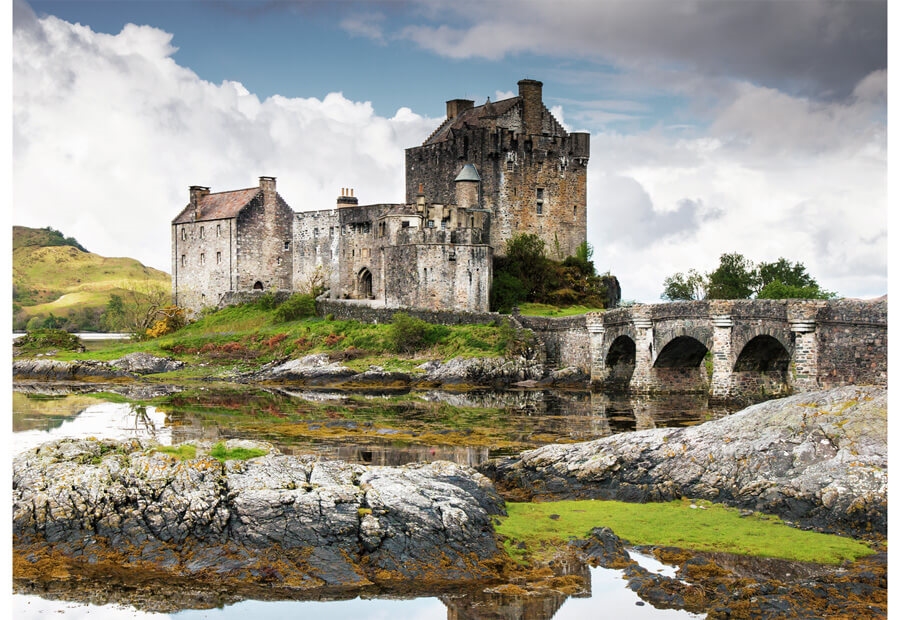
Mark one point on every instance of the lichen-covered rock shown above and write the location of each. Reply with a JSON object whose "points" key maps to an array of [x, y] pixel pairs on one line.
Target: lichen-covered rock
{"points": [[298, 521], [146, 364], [57, 370], [819, 459], [485, 371]]}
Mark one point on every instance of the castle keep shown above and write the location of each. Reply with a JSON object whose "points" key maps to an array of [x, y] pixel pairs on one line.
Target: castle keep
{"points": [[486, 174]]}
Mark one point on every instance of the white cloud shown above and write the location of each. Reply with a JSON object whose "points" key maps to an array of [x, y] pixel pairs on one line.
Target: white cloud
{"points": [[109, 133], [771, 176]]}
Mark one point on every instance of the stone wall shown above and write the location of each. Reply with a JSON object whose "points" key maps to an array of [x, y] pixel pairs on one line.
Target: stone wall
{"points": [[436, 276], [263, 246], [204, 255], [851, 339], [566, 340], [355, 311]]}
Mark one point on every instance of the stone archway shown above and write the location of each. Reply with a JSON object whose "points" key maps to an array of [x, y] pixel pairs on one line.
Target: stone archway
{"points": [[620, 363], [258, 286], [364, 284]]}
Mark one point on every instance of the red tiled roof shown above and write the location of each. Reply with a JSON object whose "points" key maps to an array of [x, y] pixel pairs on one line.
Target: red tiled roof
{"points": [[472, 117], [219, 206]]}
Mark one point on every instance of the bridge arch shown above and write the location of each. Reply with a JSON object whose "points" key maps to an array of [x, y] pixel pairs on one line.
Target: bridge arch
{"points": [[620, 362]]}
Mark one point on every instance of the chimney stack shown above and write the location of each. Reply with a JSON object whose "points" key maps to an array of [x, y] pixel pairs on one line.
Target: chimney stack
{"points": [[347, 199], [455, 107], [267, 184], [197, 194]]}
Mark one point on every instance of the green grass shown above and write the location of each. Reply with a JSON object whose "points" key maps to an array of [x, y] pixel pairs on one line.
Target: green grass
{"points": [[221, 453], [535, 309], [708, 527], [183, 452]]}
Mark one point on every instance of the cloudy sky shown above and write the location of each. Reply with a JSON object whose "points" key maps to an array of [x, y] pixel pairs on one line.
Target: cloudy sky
{"points": [[751, 126]]}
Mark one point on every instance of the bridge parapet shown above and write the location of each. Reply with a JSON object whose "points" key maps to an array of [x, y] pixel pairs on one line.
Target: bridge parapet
{"points": [[756, 346]]}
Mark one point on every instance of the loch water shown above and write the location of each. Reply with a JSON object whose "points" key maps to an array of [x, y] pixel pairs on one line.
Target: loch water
{"points": [[373, 428]]}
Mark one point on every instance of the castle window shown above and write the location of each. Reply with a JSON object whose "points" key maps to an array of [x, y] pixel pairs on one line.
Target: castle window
{"points": [[202, 258], [183, 260], [201, 232], [218, 258], [287, 245], [316, 233], [406, 224], [218, 230], [575, 211], [279, 260], [509, 165], [430, 224], [183, 233], [540, 200], [331, 231]]}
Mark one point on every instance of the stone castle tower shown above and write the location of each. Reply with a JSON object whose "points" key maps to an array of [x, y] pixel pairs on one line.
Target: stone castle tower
{"points": [[486, 174], [533, 173]]}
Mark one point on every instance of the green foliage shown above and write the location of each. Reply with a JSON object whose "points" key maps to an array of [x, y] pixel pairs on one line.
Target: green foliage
{"points": [[183, 452], [507, 292], [114, 314], [42, 237], [688, 286], [221, 453], [738, 278], [514, 340], [734, 278], [267, 301], [407, 333], [707, 527], [46, 339], [780, 290], [785, 280], [298, 306], [525, 274]]}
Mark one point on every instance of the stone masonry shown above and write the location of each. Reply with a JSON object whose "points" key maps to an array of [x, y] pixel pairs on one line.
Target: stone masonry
{"points": [[486, 174]]}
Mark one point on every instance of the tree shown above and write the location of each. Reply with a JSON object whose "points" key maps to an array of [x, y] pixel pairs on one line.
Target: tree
{"points": [[785, 280], [690, 286], [143, 304], [734, 278], [526, 259]]}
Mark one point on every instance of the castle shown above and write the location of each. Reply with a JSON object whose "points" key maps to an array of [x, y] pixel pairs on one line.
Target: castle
{"points": [[486, 174]]}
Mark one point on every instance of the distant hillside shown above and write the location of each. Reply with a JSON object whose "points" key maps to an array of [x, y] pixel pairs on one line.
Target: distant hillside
{"points": [[45, 237], [55, 278]]}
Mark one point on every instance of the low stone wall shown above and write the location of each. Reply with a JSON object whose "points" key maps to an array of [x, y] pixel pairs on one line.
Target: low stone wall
{"points": [[355, 311], [566, 340], [852, 343]]}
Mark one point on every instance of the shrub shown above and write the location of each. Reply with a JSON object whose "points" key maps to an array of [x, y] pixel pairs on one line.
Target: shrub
{"points": [[43, 339], [173, 320], [298, 306], [407, 334]]}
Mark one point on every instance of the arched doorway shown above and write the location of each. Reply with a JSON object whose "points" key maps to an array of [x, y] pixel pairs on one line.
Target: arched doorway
{"points": [[364, 284], [258, 286]]}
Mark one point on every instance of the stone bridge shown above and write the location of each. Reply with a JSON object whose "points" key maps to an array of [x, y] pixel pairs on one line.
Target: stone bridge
{"points": [[739, 349]]}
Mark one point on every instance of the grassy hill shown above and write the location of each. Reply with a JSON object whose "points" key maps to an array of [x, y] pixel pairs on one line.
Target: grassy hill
{"points": [[54, 276]]}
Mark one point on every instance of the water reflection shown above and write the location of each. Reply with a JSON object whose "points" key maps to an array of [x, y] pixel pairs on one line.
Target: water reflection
{"points": [[608, 598], [465, 427], [104, 420]]}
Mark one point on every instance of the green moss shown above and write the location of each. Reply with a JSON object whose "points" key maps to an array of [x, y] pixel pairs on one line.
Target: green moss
{"points": [[221, 453], [706, 527], [183, 452]]}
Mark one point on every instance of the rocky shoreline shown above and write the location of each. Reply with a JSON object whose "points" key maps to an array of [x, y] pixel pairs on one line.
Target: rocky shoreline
{"points": [[817, 459], [280, 519], [318, 370], [293, 527]]}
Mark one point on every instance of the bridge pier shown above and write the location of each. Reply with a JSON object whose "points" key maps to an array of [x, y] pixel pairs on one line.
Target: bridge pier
{"points": [[722, 383], [643, 379], [596, 333], [805, 360]]}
